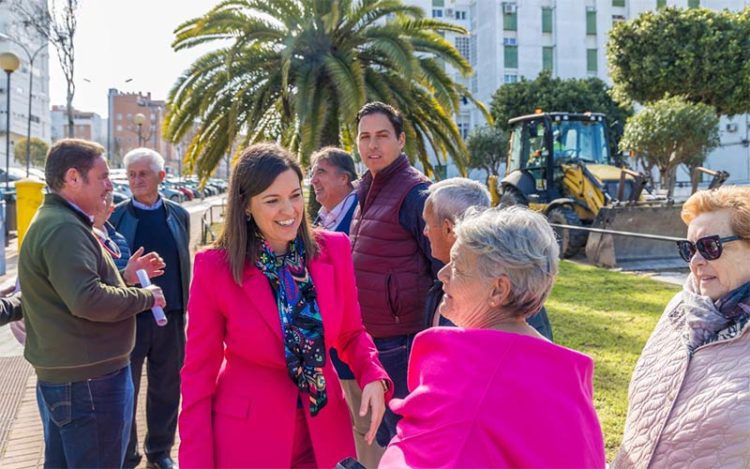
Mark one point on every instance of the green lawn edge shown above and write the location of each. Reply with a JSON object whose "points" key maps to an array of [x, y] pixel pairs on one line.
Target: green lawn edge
{"points": [[607, 315]]}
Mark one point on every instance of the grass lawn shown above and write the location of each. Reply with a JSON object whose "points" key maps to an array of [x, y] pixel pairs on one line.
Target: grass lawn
{"points": [[609, 316]]}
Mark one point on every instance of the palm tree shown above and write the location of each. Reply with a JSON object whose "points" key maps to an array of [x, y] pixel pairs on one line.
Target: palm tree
{"points": [[297, 71]]}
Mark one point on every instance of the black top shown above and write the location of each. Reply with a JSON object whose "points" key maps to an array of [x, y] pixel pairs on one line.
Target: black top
{"points": [[153, 234]]}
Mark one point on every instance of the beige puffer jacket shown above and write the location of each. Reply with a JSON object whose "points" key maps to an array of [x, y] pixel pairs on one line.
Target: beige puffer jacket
{"points": [[688, 413]]}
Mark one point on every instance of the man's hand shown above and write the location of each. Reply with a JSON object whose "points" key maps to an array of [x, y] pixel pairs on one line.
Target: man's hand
{"points": [[152, 263], [159, 299], [373, 397]]}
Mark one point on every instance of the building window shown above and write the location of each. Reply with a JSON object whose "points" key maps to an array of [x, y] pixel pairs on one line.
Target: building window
{"points": [[510, 78], [694, 3], [510, 17], [438, 3], [617, 19], [119, 116], [591, 22], [510, 56], [618, 3], [546, 20], [437, 13], [462, 45], [591, 60], [548, 58], [661, 3], [119, 128], [460, 15], [463, 128]]}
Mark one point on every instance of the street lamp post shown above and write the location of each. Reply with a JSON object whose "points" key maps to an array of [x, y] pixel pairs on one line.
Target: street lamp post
{"points": [[139, 119], [8, 62], [31, 58]]}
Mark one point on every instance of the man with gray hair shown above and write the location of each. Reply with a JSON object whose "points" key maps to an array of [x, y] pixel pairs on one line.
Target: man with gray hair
{"points": [[446, 203], [157, 224]]}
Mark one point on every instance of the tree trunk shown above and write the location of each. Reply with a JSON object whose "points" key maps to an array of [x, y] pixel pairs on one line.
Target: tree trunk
{"points": [[667, 181], [695, 178], [71, 121]]}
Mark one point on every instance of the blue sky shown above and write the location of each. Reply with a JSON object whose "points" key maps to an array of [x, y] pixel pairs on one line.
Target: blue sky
{"points": [[121, 39]]}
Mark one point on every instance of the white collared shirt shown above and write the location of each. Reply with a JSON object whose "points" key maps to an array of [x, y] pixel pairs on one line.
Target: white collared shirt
{"points": [[142, 206], [330, 220], [79, 209]]}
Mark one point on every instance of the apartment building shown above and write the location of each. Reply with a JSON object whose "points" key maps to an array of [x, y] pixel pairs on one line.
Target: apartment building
{"points": [[17, 39], [86, 125], [135, 119], [511, 39]]}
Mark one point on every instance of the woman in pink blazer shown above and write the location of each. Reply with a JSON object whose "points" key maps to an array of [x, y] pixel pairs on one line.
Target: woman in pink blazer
{"points": [[266, 304]]}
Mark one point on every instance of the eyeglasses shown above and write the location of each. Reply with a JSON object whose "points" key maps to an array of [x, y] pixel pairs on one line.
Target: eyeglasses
{"points": [[710, 247]]}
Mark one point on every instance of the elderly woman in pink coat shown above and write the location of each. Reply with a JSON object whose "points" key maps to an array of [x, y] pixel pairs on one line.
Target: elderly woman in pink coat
{"points": [[494, 392], [266, 304]]}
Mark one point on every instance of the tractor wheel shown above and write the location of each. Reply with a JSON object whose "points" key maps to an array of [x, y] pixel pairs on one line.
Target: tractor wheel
{"points": [[570, 241], [512, 196]]}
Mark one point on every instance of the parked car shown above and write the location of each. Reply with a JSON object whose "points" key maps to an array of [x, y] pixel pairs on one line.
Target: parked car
{"points": [[118, 197], [170, 193], [176, 185]]}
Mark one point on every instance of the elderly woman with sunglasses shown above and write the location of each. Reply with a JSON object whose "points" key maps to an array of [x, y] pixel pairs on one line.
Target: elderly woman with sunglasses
{"points": [[689, 399]]}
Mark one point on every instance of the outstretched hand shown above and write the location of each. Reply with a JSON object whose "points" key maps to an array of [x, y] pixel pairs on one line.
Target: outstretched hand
{"points": [[152, 263], [373, 399]]}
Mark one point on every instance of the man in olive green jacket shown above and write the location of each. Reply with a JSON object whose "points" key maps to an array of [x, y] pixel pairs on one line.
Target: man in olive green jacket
{"points": [[79, 315]]}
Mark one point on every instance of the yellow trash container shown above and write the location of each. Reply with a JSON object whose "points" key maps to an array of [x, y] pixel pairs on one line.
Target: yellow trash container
{"points": [[29, 196]]}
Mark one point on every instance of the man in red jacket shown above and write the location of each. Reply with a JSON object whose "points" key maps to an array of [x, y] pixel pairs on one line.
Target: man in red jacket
{"points": [[391, 254]]}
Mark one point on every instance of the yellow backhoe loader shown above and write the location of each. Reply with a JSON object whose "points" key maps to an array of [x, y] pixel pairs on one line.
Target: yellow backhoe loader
{"points": [[559, 163]]}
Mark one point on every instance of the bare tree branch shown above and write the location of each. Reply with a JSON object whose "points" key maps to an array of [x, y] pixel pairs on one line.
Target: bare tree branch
{"points": [[58, 26]]}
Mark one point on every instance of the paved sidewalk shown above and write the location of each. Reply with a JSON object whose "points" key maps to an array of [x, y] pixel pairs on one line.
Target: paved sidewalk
{"points": [[24, 446], [21, 439]]}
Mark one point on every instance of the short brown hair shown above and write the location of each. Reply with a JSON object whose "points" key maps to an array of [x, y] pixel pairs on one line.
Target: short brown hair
{"points": [[338, 158], [255, 170], [734, 198], [393, 115], [70, 153]]}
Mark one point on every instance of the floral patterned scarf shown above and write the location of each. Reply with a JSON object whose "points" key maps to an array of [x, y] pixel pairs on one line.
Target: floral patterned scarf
{"points": [[708, 321], [301, 323]]}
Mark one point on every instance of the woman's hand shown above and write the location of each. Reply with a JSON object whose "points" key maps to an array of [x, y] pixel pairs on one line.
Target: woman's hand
{"points": [[151, 263], [373, 397]]}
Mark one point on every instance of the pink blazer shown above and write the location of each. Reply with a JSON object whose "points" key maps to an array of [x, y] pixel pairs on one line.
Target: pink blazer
{"points": [[484, 398], [238, 403]]}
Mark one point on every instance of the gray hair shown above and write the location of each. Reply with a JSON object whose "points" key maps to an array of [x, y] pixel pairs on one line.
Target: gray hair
{"points": [[450, 198], [517, 243], [338, 158], [144, 154]]}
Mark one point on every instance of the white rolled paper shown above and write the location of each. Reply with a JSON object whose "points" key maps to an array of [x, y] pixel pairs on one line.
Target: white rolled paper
{"points": [[159, 316]]}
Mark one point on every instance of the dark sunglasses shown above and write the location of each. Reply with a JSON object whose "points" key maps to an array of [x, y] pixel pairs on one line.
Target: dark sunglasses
{"points": [[710, 247]]}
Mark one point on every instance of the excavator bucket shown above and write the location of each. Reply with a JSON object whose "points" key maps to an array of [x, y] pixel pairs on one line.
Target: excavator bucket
{"points": [[634, 253]]}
